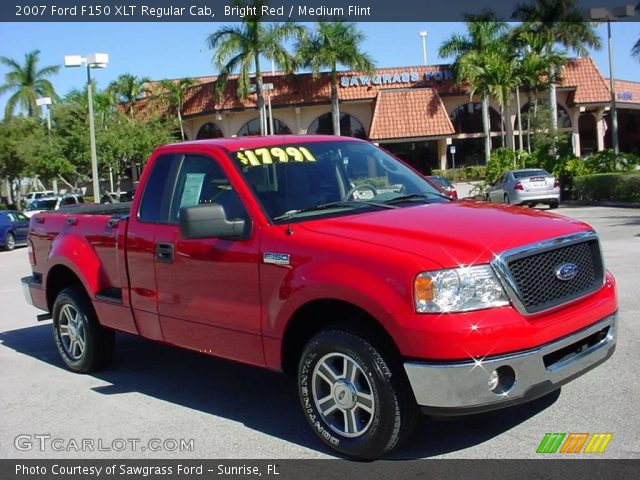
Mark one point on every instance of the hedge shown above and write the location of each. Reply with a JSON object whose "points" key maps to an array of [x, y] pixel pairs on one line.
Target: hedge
{"points": [[624, 187], [459, 174]]}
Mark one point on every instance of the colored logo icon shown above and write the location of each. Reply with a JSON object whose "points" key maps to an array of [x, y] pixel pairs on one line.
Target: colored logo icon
{"points": [[574, 443]]}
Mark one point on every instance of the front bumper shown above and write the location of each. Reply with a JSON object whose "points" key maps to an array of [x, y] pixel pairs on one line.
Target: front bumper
{"points": [[461, 388], [26, 291]]}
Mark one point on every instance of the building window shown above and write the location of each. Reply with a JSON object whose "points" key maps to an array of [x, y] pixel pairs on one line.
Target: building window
{"points": [[209, 130], [252, 127], [350, 126], [564, 120], [467, 118]]}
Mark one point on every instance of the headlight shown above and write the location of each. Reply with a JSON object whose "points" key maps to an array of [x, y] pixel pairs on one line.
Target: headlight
{"points": [[458, 290]]}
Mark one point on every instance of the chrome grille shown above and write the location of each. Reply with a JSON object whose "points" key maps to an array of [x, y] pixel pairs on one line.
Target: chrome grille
{"points": [[531, 272]]}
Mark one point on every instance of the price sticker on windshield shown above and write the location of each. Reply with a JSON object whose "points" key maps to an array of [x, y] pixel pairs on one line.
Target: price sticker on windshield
{"points": [[269, 156]]}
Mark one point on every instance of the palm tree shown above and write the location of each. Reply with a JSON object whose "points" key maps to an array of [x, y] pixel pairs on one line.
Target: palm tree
{"points": [[333, 44], [533, 66], [557, 22], [127, 89], [28, 82], [174, 92], [484, 34], [240, 47]]}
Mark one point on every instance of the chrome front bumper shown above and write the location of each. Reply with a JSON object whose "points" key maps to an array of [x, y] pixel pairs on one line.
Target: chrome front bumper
{"points": [[463, 387]]}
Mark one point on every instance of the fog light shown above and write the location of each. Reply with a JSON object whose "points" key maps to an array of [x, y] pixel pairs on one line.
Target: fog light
{"points": [[502, 380], [493, 380]]}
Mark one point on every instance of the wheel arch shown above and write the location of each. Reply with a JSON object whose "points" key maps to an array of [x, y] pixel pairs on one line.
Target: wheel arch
{"points": [[60, 277], [319, 314]]}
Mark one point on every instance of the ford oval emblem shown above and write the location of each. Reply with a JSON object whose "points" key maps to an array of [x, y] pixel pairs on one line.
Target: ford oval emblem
{"points": [[566, 271]]}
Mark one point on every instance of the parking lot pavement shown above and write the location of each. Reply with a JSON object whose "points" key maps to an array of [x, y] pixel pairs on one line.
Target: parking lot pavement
{"points": [[232, 411]]}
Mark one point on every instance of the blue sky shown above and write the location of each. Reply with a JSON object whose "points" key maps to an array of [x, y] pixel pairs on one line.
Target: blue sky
{"points": [[176, 50]]}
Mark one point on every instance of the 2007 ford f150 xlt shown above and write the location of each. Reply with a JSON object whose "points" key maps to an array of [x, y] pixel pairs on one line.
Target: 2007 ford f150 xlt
{"points": [[328, 258]]}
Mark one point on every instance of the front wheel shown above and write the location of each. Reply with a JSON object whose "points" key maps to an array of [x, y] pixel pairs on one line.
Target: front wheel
{"points": [[83, 344], [356, 401], [506, 200]]}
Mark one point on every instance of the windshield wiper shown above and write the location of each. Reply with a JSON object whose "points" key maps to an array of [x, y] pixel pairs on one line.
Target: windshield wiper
{"points": [[340, 204], [414, 196]]}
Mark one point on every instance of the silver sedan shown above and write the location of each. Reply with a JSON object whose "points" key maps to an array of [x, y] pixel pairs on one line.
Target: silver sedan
{"points": [[526, 187]]}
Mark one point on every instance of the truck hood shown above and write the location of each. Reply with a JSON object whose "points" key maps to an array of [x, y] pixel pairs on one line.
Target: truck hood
{"points": [[452, 233]]}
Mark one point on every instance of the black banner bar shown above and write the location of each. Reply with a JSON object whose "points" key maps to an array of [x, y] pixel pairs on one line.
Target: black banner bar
{"points": [[275, 11], [583, 469]]}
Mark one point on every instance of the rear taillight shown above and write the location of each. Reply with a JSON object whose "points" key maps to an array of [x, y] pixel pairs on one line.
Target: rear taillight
{"points": [[556, 183], [32, 255], [518, 186]]}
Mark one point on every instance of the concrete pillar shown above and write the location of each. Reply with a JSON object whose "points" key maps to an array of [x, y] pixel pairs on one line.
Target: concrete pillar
{"points": [[442, 152], [298, 125], [575, 133], [599, 128]]}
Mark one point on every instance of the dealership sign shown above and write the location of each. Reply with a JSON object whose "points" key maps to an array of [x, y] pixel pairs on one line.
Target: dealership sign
{"points": [[389, 78]]}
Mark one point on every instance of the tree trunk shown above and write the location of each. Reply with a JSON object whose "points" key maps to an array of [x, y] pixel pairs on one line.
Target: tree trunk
{"points": [[485, 127], [503, 134], [553, 104], [181, 126], [520, 139], [335, 107], [9, 193], [260, 96]]}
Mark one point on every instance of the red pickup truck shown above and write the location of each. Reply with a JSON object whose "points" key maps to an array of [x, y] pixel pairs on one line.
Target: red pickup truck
{"points": [[329, 259]]}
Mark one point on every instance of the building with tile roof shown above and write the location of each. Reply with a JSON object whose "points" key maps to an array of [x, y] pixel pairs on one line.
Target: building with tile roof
{"points": [[416, 112]]}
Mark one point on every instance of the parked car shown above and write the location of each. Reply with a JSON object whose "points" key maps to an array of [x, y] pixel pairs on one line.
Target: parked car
{"points": [[53, 203], [326, 258], [526, 187], [114, 197], [31, 197], [445, 185], [14, 227]]}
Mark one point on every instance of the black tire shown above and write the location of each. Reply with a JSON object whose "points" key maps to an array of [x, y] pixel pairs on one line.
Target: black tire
{"points": [[506, 199], [83, 344], [378, 385], [553, 204], [9, 242]]}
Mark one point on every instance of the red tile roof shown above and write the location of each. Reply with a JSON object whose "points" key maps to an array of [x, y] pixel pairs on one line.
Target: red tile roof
{"points": [[580, 74], [409, 113], [627, 91], [590, 86], [303, 89]]}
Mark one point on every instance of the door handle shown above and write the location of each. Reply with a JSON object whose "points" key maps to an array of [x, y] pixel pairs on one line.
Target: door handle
{"points": [[164, 252]]}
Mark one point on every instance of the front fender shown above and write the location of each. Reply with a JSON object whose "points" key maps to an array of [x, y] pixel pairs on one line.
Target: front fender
{"points": [[381, 296]]}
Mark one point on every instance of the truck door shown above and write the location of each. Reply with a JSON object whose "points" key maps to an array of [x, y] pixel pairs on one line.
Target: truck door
{"points": [[153, 211], [208, 290]]}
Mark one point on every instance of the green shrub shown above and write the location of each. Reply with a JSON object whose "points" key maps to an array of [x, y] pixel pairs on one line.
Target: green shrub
{"points": [[501, 160], [3, 206], [472, 173], [607, 161], [608, 186]]}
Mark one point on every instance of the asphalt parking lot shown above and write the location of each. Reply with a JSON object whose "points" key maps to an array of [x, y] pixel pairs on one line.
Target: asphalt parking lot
{"points": [[231, 411]]}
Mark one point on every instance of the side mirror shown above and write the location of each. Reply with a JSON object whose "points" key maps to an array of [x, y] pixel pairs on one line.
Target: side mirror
{"points": [[206, 221]]}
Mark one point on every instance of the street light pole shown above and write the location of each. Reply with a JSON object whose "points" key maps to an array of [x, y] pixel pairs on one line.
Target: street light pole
{"points": [[609, 15], [95, 60], [42, 101], [423, 34], [612, 84]]}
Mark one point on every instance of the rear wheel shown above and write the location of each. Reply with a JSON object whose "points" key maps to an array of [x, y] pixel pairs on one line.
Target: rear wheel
{"points": [[9, 242], [355, 399], [506, 199], [554, 204], [83, 344]]}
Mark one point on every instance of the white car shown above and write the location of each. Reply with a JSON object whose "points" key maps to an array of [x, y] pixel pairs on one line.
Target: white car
{"points": [[526, 187], [31, 197], [53, 203]]}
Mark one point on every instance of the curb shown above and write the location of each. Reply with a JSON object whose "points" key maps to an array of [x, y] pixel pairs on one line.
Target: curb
{"points": [[607, 203]]}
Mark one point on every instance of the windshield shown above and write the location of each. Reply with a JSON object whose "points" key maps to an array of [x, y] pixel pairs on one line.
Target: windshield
{"points": [[330, 178], [530, 173], [48, 204]]}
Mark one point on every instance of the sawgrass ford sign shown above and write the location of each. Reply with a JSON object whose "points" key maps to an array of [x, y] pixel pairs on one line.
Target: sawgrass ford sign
{"points": [[393, 78]]}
